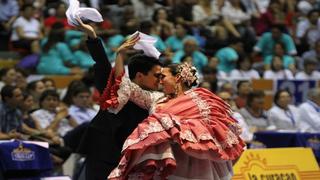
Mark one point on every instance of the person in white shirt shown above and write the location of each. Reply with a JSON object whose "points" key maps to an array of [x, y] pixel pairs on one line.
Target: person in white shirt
{"points": [[277, 70], [50, 116], [310, 70], [283, 115], [309, 119], [81, 110], [244, 70], [26, 31]]}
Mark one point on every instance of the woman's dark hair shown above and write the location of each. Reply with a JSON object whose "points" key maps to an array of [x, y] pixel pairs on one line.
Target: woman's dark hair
{"points": [[80, 89], [25, 95], [174, 69], [48, 93], [278, 93], [56, 35]]}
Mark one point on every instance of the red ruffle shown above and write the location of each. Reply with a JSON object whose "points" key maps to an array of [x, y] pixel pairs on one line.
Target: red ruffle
{"points": [[109, 97]]}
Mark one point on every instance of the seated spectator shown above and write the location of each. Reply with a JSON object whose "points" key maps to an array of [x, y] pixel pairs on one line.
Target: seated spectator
{"points": [[10, 116], [283, 114], [36, 88], [50, 116], [254, 114], [310, 112], [164, 28], [314, 53], [308, 30], [49, 83], [58, 16], [213, 64], [56, 56], [310, 71], [244, 69], [26, 31], [235, 12], [7, 77], [273, 15], [190, 48], [9, 10], [144, 9], [227, 87], [68, 92], [277, 70], [210, 75], [175, 42], [81, 110], [246, 135], [288, 61], [266, 43], [228, 56], [21, 78], [243, 90]]}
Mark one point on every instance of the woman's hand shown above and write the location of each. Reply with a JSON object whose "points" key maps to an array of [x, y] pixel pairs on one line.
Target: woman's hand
{"points": [[86, 29], [128, 44]]}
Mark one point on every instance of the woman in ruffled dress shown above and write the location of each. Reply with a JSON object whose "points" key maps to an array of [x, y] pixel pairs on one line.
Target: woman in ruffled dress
{"points": [[189, 133]]}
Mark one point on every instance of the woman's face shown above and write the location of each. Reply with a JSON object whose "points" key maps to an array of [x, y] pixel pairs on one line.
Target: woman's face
{"points": [[49, 85], [162, 14], [168, 81], [245, 64], [277, 63], [50, 103], [278, 50], [180, 31], [28, 103], [10, 77], [284, 99], [40, 87]]}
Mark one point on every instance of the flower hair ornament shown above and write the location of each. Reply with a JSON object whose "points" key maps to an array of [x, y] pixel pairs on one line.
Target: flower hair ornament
{"points": [[187, 73]]}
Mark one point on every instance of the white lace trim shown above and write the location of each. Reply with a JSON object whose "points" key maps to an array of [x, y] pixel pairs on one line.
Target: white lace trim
{"points": [[203, 107]]}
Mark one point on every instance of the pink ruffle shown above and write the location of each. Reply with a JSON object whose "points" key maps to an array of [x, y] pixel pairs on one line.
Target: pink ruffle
{"points": [[109, 97]]}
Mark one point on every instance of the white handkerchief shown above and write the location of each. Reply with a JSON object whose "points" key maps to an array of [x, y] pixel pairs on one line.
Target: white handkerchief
{"points": [[146, 43], [74, 11]]}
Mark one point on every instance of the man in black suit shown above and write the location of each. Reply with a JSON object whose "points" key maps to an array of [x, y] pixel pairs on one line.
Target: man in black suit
{"points": [[103, 140]]}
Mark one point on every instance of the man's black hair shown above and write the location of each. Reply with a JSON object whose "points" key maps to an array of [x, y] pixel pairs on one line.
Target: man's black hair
{"points": [[7, 91], [141, 63]]}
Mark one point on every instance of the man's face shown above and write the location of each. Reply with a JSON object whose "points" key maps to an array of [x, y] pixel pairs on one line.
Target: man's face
{"points": [[151, 80], [16, 98], [81, 100], [258, 103], [276, 34]]}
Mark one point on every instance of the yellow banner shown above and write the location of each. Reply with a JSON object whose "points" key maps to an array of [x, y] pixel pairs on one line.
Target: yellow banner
{"points": [[277, 164]]}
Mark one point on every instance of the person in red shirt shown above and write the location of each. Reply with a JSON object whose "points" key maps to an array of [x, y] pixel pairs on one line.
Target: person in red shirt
{"points": [[59, 16]]}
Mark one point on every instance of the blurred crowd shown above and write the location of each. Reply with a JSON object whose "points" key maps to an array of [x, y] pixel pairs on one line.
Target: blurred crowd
{"points": [[225, 40]]}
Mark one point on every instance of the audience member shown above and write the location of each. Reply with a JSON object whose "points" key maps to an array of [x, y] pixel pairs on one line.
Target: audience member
{"points": [[254, 114], [26, 31], [310, 71], [283, 114], [52, 117], [7, 77], [243, 90], [10, 116], [81, 110], [244, 70], [36, 88], [277, 70], [309, 112]]}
